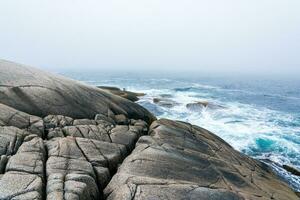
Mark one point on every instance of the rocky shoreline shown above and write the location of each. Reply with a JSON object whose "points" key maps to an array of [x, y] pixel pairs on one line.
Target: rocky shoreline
{"points": [[61, 139]]}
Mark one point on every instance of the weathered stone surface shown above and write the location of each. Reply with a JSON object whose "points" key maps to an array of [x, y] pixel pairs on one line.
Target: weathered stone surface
{"points": [[52, 121], [98, 129], [87, 131], [79, 167], [41, 93], [30, 158], [12, 117], [24, 173], [181, 161], [18, 185], [11, 139]]}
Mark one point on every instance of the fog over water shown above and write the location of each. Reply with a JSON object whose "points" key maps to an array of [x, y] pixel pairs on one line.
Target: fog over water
{"points": [[239, 37]]}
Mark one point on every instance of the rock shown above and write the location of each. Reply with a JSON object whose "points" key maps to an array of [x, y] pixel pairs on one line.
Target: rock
{"points": [[12, 117], [165, 102], [84, 122], [52, 121], [182, 161], [81, 167], [99, 129], [121, 119], [132, 96], [79, 159], [11, 139], [291, 169], [198, 106], [24, 174], [19, 186], [30, 158], [87, 131], [102, 117], [41, 93]]}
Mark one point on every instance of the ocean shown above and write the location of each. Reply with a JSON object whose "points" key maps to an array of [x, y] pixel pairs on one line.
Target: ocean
{"points": [[256, 115]]}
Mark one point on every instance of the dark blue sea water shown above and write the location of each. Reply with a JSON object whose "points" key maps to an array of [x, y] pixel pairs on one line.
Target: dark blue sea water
{"points": [[256, 115]]}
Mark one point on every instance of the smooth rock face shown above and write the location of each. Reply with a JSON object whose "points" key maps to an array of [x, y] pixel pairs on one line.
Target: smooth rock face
{"points": [[182, 161], [40, 93]]}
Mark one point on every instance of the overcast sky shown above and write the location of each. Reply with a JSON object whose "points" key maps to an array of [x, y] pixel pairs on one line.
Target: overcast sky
{"points": [[259, 36]]}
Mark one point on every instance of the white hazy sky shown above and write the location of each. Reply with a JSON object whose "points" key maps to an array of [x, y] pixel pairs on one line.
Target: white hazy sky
{"points": [[259, 36]]}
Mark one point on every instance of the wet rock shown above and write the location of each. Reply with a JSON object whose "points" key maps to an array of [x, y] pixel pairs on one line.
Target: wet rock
{"points": [[292, 170], [198, 106], [165, 102], [182, 161]]}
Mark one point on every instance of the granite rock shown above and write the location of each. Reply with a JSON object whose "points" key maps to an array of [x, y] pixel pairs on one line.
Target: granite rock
{"points": [[181, 161], [41, 93]]}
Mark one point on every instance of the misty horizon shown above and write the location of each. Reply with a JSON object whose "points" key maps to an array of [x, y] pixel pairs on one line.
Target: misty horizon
{"points": [[216, 37]]}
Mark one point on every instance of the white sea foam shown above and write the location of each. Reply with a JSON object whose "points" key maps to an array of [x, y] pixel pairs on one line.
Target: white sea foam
{"points": [[260, 132], [256, 131]]}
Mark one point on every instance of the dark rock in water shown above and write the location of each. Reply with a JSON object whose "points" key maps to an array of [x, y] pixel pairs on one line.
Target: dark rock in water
{"points": [[182, 161], [41, 93], [291, 169], [166, 95], [165, 102], [198, 106], [132, 96]]}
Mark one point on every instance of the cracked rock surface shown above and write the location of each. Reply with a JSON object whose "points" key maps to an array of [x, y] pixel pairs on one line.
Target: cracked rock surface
{"points": [[62, 140], [181, 161], [73, 159]]}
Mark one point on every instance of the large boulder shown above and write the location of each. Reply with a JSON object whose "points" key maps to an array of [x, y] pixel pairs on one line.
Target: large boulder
{"points": [[41, 93], [181, 161]]}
